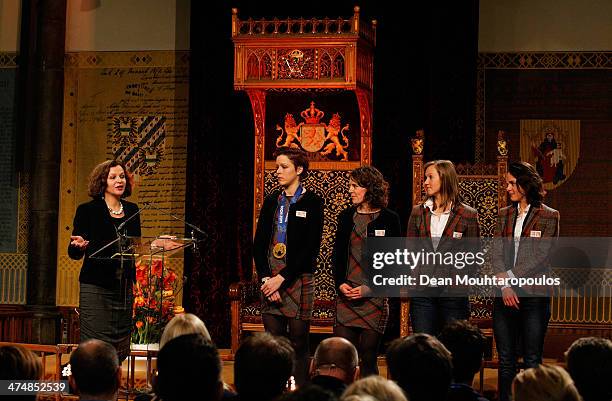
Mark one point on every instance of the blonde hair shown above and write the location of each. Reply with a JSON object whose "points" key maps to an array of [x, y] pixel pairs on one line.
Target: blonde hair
{"points": [[185, 323], [546, 382], [449, 181], [377, 387]]}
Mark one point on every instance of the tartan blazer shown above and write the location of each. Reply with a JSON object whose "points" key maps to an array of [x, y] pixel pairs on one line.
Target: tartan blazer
{"points": [[462, 219], [540, 228]]}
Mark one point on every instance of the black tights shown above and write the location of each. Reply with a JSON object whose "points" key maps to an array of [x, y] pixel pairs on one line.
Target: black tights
{"points": [[366, 341], [298, 335]]}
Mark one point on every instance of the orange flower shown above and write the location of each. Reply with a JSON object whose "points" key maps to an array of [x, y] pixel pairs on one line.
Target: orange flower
{"points": [[139, 324]]}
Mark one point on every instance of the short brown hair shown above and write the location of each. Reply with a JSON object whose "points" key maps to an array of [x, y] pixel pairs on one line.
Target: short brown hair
{"points": [[372, 180], [99, 175], [449, 181], [297, 156]]}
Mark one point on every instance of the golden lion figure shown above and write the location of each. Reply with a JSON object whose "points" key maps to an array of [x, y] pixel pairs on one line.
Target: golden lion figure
{"points": [[291, 132], [333, 131]]}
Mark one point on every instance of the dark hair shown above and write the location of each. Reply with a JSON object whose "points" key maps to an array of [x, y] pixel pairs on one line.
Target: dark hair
{"points": [[529, 181], [589, 362], [309, 392], [94, 367], [262, 366], [19, 363], [421, 366], [187, 363], [297, 156], [99, 176], [372, 180], [466, 344]]}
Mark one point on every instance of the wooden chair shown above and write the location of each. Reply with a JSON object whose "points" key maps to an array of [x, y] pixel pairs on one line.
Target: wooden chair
{"points": [[289, 63]]}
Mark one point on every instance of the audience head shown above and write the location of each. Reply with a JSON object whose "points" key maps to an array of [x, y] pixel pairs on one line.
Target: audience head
{"points": [[466, 344], [422, 367], [337, 357], [377, 387], [18, 363], [185, 323], [589, 362], [546, 382], [96, 373], [187, 364], [262, 366]]}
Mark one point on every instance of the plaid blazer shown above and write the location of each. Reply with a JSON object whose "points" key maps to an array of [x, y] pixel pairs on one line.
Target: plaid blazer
{"points": [[462, 220], [540, 229]]}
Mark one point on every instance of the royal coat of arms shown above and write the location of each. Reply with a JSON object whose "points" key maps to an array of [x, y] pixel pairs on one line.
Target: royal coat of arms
{"points": [[313, 134]]}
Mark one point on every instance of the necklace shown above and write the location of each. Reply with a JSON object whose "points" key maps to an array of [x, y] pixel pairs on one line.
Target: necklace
{"points": [[118, 212]]}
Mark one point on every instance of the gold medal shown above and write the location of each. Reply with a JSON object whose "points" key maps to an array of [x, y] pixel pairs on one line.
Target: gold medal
{"points": [[279, 251]]}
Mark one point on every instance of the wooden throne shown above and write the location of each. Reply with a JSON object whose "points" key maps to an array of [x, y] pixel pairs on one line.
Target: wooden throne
{"points": [[309, 82], [483, 187]]}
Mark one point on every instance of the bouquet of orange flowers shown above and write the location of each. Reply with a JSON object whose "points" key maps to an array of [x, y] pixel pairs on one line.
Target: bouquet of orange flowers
{"points": [[154, 295]]}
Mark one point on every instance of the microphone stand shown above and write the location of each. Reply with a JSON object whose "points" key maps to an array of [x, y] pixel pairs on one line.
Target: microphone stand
{"points": [[122, 242], [193, 227]]}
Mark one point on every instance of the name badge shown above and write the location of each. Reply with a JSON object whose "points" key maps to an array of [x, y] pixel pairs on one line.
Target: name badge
{"points": [[535, 234], [457, 234], [379, 233], [300, 213]]}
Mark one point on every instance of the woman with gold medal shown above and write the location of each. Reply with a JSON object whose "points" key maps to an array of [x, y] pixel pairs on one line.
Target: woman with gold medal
{"points": [[285, 251]]}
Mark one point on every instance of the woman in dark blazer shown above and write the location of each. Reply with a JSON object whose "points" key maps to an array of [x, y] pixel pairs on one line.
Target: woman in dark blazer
{"points": [[525, 234], [285, 250], [105, 299], [361, 319], [444, 224]]}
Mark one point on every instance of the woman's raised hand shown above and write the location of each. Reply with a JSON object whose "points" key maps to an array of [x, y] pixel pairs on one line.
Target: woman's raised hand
{"points": [[78, 241]]}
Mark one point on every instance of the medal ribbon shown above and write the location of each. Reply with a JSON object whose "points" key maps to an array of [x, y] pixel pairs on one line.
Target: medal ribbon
{"points": [[283, 215]]}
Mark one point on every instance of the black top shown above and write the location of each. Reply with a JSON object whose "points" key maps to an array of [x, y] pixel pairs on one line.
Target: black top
{"points": [[463, 392], [387, 220], [304, 230], [330, 383], [94, 223]]}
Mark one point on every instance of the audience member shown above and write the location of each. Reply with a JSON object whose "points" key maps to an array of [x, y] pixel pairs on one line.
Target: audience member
{"points": [[185, 323], [309, 392], [189, 368], [422, 367], [546, 382], [377, 387], [96, 373], [466, 344], [18, 363], [589, 362], [262, 367], [335, 365]]}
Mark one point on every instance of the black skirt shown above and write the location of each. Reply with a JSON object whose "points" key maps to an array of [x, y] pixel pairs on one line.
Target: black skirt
{"points": [[106, 314]]}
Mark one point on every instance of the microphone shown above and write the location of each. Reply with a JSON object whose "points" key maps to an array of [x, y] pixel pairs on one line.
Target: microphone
{"points": [[140, 210], [193, 227]]}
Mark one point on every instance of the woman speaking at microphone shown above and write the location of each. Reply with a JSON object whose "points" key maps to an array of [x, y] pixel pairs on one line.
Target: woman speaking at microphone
{"points": [[105, 299], [285, 251]]}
